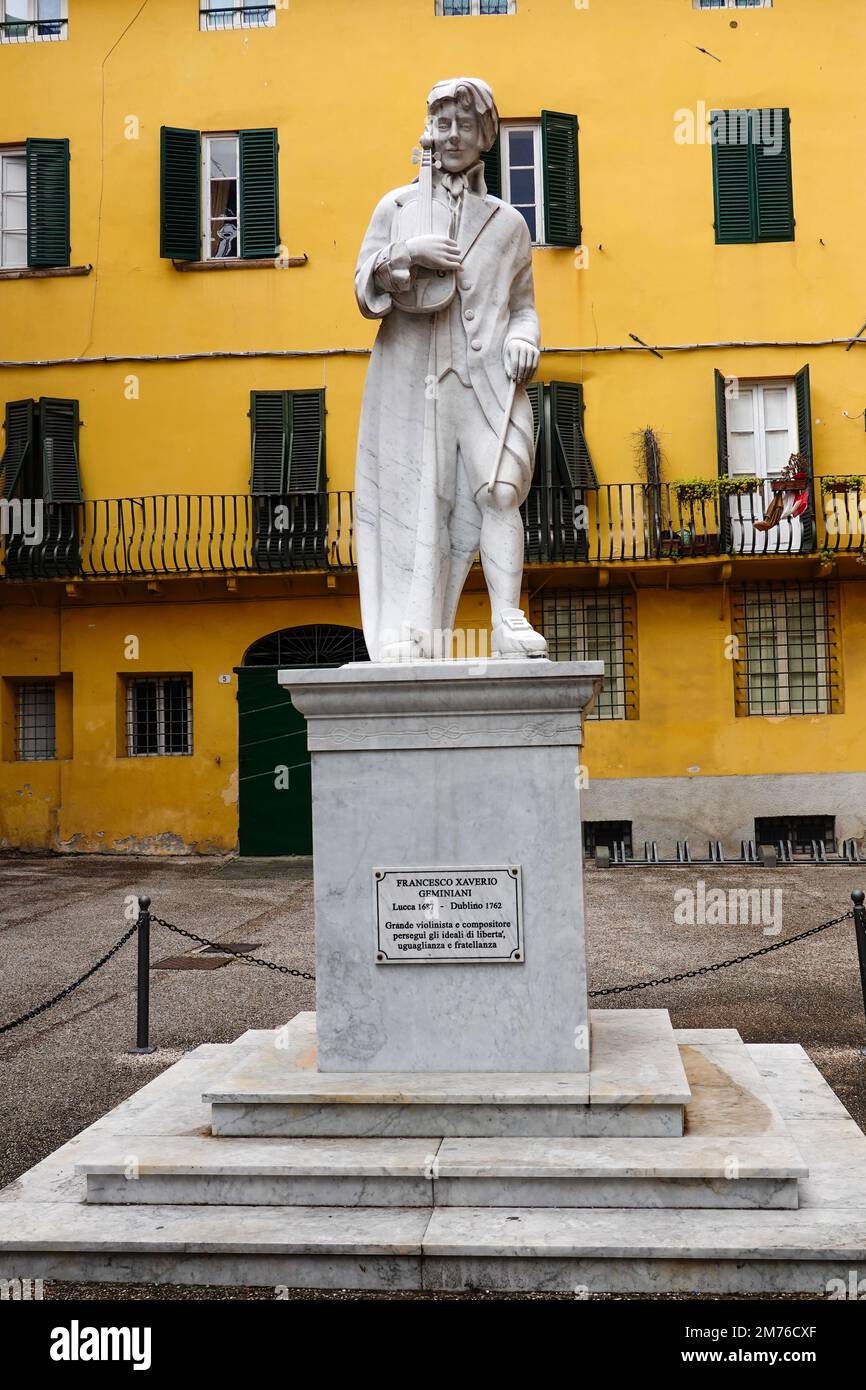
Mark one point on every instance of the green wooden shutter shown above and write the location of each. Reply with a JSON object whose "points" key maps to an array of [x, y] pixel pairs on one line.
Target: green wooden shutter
{"points": [[535, 508], [774, 192], [47, 203], [733, 192], [58, 432], [721, 459], [803, 392], [570, 449], [180, 194], [492, 161], [259, 199], [535, 392], [269, 416], [561, 179], [18, 450], [306, 455]]}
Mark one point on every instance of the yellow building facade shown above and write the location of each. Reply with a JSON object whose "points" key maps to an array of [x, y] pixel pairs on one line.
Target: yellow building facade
{"points": [[184, 190]]}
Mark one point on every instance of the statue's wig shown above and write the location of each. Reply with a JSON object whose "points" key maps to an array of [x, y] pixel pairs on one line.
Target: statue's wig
{"points": [[473, 95]]}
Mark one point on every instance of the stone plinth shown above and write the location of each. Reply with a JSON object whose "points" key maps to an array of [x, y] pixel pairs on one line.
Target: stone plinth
{"points": [[455, 765]]}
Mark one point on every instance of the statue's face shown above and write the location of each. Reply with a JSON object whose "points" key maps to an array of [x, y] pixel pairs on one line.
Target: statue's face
{"points": [[456, 137]]}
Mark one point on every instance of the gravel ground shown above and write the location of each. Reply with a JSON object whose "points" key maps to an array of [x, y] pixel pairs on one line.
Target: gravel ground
{"points": [[68, 1066]]}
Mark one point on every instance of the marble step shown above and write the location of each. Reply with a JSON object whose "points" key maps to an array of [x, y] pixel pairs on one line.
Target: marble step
{"points": [[609, 1250], [695, 1171], [636, 1086], [48, 1231]]}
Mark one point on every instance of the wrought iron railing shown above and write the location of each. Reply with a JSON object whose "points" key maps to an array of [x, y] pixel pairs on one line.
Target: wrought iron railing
{"points": [[33, 30], [181, 534], [236, 17]]}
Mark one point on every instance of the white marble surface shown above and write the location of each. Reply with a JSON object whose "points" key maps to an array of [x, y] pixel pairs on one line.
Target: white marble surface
{"points": [[451, 797], [44, 1221]]}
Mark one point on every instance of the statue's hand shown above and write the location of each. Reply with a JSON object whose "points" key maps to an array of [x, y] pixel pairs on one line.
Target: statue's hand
{"points": [[435, 252], [521, 360]]}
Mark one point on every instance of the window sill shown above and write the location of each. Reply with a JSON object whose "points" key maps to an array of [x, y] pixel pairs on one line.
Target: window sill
{"points": [[53, 272], [236, 263]]}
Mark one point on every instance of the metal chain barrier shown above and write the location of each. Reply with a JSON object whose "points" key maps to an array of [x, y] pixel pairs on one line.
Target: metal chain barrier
{"points": [[145, 918], [64, 993], [723, 964], [238, 955]]}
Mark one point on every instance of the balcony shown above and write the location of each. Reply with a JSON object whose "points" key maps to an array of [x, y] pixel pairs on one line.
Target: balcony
{"points": [[616, 523]]}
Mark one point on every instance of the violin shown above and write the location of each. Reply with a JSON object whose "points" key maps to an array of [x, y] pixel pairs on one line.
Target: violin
{"points": [[433, 289]]}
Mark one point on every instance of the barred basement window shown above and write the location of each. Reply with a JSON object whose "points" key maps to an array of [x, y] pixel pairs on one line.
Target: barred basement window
{"points": [[35, 738], [595, 627], [606, 834], [799, 830], [458, 8], [159, 716], [237, 14], [789, 653]]}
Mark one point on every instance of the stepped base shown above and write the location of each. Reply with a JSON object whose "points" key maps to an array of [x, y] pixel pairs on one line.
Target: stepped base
{"points": [[495, 1213], [636, 1086]]}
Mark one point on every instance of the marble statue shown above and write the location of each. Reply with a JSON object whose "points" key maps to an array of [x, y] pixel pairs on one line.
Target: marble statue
{"points": [[446, 448]]}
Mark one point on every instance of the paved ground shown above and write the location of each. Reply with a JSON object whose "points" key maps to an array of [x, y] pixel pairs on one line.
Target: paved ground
{"points": [[68, 1066]]}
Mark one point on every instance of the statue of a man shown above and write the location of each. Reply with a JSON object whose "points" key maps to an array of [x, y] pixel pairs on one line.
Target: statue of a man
{"points": [[441, 385]]}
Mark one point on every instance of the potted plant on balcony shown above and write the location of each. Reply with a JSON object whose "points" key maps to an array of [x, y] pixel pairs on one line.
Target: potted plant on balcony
{"points": [[842, 483], [693, 538]]}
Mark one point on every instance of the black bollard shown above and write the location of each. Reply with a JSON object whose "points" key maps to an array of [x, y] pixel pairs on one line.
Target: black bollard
{"points": [[857, 898], [142, 1028]]}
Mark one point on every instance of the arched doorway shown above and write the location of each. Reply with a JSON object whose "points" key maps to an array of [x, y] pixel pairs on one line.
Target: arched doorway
{"points": [[274, 790]]}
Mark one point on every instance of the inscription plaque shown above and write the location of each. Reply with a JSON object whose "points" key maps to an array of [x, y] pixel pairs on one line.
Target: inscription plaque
{"points": [[450, 915]]}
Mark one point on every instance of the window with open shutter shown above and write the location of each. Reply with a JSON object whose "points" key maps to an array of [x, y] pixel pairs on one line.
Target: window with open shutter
{"points": [[47, 203], [180, 194], [260, 229], [17, 458], [752, 184], [561, 179]]}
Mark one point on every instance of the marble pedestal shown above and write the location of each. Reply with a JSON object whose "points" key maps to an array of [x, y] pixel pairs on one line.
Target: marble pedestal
{"points": [[448, 765]]}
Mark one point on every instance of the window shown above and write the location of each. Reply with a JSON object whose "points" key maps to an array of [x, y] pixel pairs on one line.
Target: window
{"points": [[521, 174], [34, 204], [760, 425], [555, 517], [798, 831], [40, 464], [788, 649], [594, 627], [752, 187], [13, 208], [237, 14], [288, 478], [32, 21], [610, 834], [159, 716], [477, 7], [40, 458], [219, 195], [534, 166], [35, 739]]}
